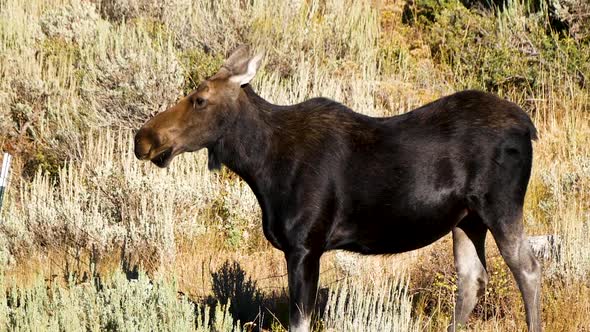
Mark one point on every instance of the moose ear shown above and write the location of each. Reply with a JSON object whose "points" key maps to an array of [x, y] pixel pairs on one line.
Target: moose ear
{"points": [[242, 67]]}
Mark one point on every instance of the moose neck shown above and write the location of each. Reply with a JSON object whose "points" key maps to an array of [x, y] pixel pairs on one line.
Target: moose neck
{"points": [[245, 146]]}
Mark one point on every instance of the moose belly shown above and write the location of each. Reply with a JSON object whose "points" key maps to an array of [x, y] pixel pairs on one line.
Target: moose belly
{"points": [[378, 233]]}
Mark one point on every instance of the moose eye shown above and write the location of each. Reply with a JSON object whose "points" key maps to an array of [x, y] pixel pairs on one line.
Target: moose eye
{"points": [[200, 102]]}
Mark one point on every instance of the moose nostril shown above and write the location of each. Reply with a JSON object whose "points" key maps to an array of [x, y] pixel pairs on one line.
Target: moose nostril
{"points": [[140, 152], [141, 147]]}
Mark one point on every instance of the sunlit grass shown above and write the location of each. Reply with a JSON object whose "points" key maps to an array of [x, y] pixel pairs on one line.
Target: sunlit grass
{"points": [[77, 77]]}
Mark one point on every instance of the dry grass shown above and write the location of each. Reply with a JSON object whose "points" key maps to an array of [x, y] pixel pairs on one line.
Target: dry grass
{"points": [[76, 76]]}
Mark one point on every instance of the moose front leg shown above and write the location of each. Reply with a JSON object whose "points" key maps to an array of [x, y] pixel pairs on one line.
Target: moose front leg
{"points": [[304, 270]]}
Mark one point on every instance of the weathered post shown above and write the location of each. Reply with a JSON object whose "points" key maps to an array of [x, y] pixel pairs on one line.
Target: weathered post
{"points": [[4, 176]]}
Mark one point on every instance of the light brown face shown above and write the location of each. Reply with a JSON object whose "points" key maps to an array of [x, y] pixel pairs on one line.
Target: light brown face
{"points": [[195, 122], [199, 119]]}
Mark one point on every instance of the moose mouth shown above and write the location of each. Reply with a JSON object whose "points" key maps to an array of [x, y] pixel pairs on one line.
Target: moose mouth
{"points": [[163, 158]]}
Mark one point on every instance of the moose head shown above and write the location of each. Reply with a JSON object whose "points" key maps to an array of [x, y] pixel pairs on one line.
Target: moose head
{"points": [[198, 120]]}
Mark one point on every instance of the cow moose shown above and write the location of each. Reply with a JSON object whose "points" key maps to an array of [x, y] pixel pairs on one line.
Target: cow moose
{"points": [[329, 178]]}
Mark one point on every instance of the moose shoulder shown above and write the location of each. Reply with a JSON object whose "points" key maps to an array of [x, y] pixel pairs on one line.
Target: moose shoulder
{"points": [[329, 178]]}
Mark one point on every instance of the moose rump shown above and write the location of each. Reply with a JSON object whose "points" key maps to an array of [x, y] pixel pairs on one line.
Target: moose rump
{"points": [[329, 178]]}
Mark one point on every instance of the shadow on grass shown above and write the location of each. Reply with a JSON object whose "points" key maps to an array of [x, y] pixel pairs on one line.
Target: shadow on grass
{"points": [[248, 303]]}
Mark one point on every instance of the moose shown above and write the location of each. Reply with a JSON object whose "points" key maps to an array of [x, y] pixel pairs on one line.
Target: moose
{"points": [[329, 178]]}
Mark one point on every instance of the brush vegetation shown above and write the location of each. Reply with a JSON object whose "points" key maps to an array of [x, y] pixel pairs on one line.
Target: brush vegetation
{"points": [[92, 239]]}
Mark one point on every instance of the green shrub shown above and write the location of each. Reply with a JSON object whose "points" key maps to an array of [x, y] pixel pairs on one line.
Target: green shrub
{"points": [[114, 304], [73, 22], [508, 52], [128, 75], [198, 65], [425, 12]]}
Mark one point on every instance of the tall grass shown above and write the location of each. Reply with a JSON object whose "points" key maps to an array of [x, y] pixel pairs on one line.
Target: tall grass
{"points": [[109, 200], [382, 306]]}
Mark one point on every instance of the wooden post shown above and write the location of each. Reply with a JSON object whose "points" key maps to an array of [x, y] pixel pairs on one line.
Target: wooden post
{"points": [[4, 176]]}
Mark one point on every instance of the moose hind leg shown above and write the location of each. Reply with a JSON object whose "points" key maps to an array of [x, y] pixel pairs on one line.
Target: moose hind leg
{"points": [[469, 251], [517, 253], [498, 197]]}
